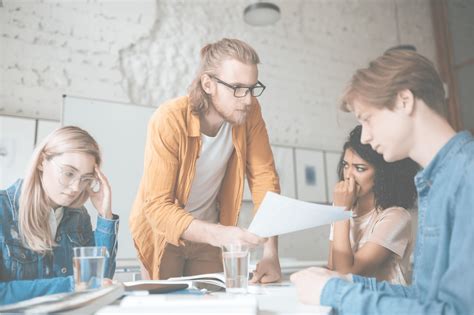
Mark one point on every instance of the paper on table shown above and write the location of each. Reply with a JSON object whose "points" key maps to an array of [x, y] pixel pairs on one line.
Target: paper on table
{"points": [[279, 215]]}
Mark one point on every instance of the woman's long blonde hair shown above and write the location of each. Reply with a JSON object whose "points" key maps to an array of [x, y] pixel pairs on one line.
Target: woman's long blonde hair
{"points": [[34, 205], [212, 56]]}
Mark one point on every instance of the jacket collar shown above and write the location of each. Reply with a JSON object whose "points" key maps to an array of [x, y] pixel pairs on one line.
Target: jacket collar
{"points": [[13, 193], [440, 160], [193, 125]]}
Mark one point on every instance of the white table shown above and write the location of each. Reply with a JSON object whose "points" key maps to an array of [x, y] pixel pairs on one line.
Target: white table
{"points": [[263, 300], [282, 299]]}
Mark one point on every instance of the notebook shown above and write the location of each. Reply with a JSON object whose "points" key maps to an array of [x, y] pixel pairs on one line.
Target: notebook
{"points": [[155, 288]]}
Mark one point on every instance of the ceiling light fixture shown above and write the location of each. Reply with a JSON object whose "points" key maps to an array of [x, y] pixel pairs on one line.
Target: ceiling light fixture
{"points": [[402, 47], [261, 14]]}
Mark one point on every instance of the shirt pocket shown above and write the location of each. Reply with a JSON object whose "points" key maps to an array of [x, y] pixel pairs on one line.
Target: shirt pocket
{"points": [[74, 239], [78, 239], [23, 262]]}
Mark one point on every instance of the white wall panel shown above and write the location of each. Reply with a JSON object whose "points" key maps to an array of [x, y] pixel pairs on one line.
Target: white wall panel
{"points": [[16, 145]]}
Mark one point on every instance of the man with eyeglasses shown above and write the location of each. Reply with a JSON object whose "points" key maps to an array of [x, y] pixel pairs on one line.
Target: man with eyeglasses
{"points": [[199, 149]]}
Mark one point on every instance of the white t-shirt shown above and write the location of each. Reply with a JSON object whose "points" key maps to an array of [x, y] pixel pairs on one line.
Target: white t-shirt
{"points": [[210, 170], [55, 217]]}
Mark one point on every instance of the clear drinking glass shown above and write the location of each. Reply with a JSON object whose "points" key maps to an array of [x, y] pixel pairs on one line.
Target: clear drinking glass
{"points": [[89, 267], [235, 259]]}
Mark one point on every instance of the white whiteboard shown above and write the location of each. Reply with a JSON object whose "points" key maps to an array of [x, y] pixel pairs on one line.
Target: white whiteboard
{"points": [[44, 128], [120, 129], [332, 161], [17, 137]]}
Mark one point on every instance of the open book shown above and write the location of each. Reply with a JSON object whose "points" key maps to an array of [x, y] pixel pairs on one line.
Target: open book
{"points": [[213, 279], [209, 281]]}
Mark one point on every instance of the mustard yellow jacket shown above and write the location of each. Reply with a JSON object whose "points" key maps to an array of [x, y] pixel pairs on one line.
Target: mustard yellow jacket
{"points": [[173, 145]]}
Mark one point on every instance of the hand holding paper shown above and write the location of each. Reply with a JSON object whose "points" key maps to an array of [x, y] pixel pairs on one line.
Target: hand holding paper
{"points": [[279, 215]]}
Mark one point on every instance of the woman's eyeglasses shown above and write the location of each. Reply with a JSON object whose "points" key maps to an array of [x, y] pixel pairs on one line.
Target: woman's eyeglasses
{"points": [[68, 177]]}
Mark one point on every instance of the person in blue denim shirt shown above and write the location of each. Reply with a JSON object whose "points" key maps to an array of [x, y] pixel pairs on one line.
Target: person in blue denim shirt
{"points": [[396, 100], [42, 218]]}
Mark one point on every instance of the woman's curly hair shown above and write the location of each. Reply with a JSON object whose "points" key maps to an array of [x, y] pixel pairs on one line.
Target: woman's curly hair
{"points": [[394, 184]]}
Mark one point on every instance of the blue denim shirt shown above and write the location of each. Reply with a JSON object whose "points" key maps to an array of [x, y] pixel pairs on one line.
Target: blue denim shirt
{"points": [[26, 274], [443, 281]]}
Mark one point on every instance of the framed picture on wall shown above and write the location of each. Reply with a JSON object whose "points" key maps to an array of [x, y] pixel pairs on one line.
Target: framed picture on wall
{"points": [[285, 166], [332, 160], [310, 175]]}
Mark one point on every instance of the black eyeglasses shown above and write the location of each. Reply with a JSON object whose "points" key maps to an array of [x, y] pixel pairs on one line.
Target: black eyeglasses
{"points": [[242, 91]]}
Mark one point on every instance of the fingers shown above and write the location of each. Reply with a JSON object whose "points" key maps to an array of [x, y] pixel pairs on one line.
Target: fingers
{"points": [[101, 175], [252, 240], [351, 184], [256, 277], [264, 277], [269, 278], [297, 276], [101, 196], [342, 195], [345, 186], [99, 172], [255, 241], [237, 235], [104, 184], [97, 187]]}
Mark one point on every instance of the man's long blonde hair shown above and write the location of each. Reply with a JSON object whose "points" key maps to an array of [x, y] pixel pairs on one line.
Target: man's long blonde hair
{"points": [[34, 203], [212, 56]]}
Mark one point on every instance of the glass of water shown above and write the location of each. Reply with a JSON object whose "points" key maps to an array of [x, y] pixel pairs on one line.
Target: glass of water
{"points": [[89, 267], [235, 259]]}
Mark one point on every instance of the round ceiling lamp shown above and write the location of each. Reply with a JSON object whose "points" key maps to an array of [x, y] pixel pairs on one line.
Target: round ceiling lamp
{"points": [[402, 47], [261, 14]]}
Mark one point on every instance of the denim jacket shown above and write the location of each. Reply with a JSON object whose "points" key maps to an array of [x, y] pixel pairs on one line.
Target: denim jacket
{"points": [[26, 274], [443, 277]]}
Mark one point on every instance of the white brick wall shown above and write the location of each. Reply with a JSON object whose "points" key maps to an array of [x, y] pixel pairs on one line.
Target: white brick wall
{"points": [[51, 48], [145, 52]]}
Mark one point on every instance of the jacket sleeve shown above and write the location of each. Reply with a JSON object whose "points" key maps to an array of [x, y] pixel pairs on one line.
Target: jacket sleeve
{"points": [[384, 286], [105, 235], [159, 179], [19, 290], [355, 298], [260, 168]]}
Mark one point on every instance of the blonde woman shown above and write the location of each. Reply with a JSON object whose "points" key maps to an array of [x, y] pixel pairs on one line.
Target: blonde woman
{"points": [[43, 217]]}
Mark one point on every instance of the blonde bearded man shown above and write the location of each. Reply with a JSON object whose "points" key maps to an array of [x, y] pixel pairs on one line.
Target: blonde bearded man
{"points": [[199, 149]]}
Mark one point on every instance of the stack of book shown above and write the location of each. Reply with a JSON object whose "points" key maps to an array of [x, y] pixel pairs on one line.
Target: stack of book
{"points": [[83, 302]]}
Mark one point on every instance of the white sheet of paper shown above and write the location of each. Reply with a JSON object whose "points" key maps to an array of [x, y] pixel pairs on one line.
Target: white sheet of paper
{"points": [[279, 215]]}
